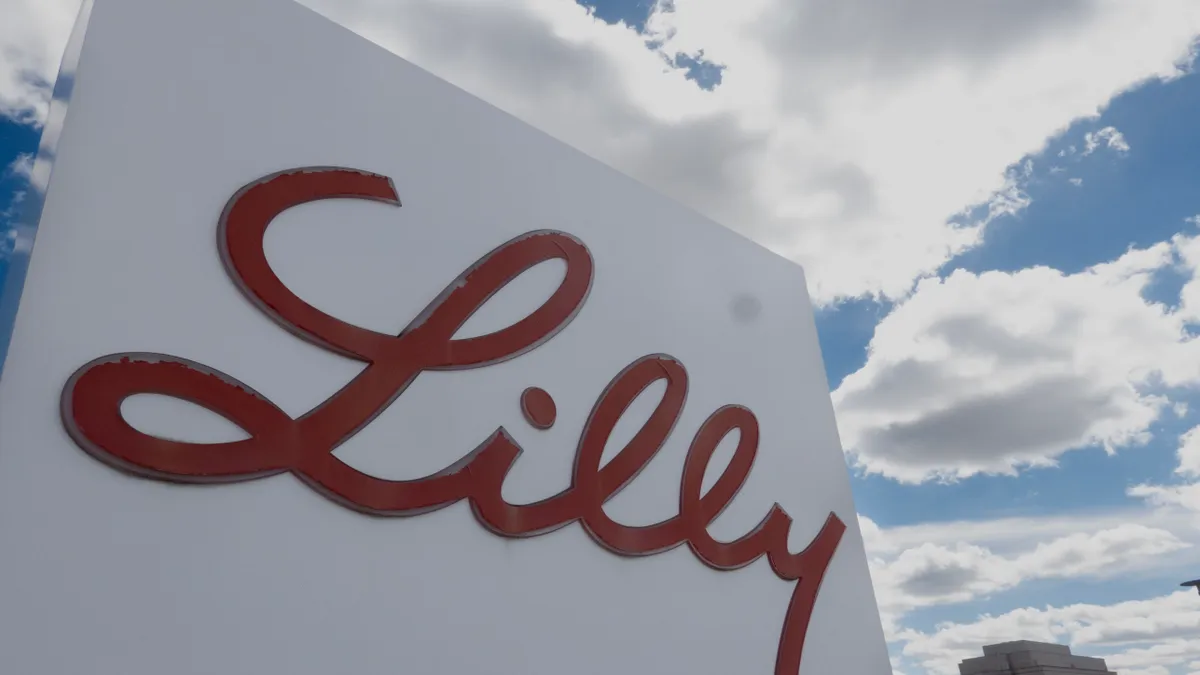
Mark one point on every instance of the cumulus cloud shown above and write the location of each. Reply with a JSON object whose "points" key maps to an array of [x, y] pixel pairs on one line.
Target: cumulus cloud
{"points": [[987, 373], [943, 63], [945, 563], [932, 575], [1189, 295], [8, 236], [1010, 536], [1152, 670], [938, 573], [1186, 495], [1189, 453], [1108, 136], [22, 166], [32, 38], [851, 136], [1142, 634]]}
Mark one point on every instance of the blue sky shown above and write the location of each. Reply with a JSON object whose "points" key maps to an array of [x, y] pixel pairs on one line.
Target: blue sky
{"points": [[1130, 200], [17, 142], [1054, 536], [1125, 200], [1122, 200]]}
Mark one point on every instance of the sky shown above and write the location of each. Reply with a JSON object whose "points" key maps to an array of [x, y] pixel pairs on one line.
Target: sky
{"points": [[998, 208]]}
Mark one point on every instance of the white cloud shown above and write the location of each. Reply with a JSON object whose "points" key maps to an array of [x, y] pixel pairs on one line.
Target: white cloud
{"points": [[22, 166], [935, 575], [1109, 136], [1155, 659], [1189, 453], [1075, 181], [1186, 495], [939, 573], [1189, 296], [8, 237], [973, 558], [987, 373], [1152, 670], [844, 135], [32, 38], [1140, 634], [1102, 553], [1010, 536], [873, 537], [932, 564]]}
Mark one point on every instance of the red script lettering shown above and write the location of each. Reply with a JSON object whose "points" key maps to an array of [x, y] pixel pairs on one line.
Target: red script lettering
{"points": [[91, 409]]}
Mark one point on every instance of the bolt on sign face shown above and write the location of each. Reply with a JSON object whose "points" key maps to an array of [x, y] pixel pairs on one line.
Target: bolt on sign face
{"points": [[326, 366]]}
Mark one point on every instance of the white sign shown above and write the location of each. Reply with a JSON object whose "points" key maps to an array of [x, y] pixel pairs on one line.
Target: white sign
{"points": [[322, 365]]}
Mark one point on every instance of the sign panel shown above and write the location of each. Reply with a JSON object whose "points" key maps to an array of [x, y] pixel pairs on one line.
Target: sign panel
{"points": [[322, 365]]}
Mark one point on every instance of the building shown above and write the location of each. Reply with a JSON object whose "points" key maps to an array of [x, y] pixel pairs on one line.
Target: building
{"points": [[1024, 657]]}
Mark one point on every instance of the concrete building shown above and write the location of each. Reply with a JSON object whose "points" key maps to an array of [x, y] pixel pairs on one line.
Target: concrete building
{"points": [[1031, 658]]}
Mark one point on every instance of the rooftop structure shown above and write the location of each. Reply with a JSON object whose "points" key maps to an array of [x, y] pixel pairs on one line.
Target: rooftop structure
{"points": [[1024, 657]]}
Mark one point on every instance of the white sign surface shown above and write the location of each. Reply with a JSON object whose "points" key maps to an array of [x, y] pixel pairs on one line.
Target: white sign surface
{"points": [[237, 450]]}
